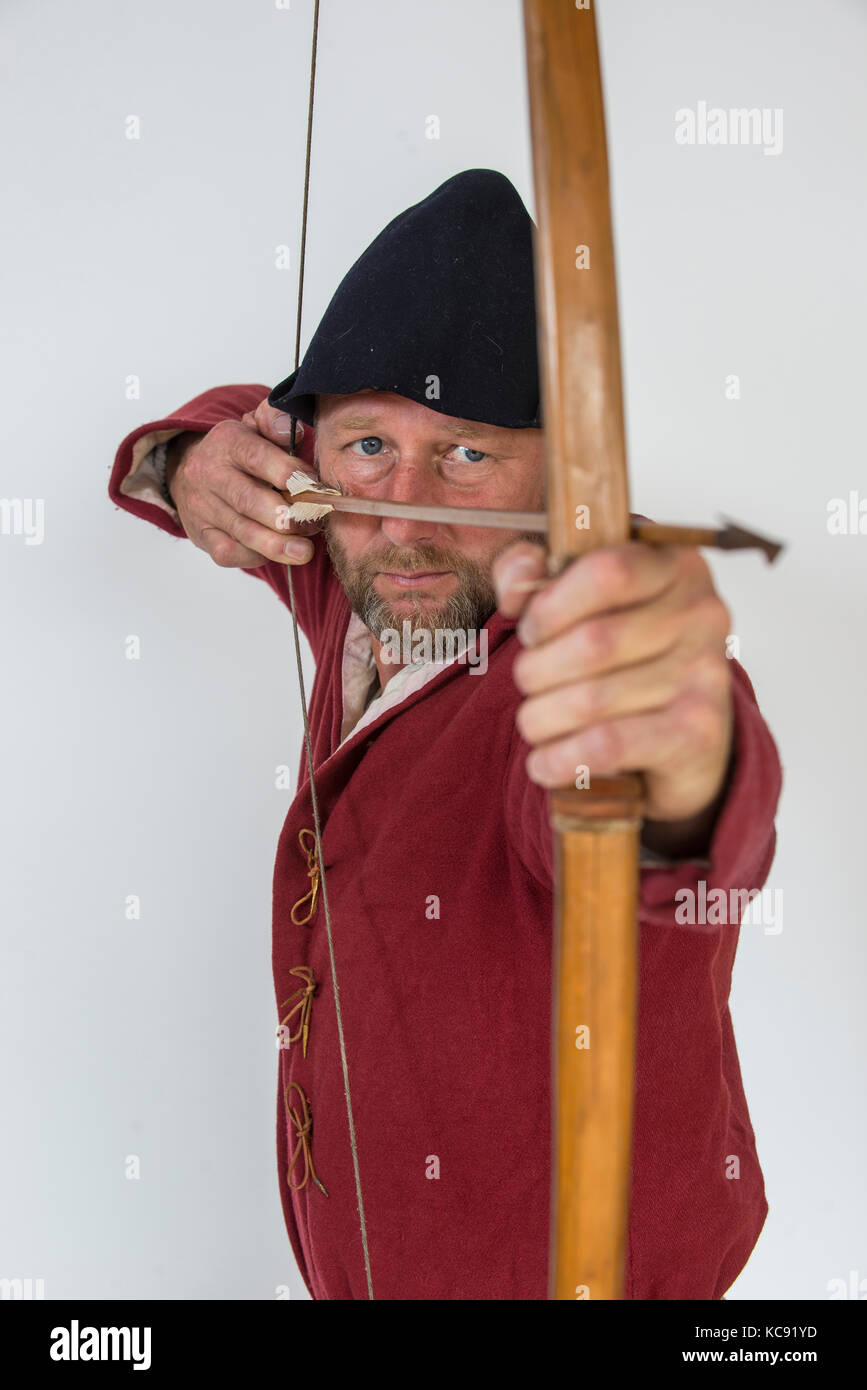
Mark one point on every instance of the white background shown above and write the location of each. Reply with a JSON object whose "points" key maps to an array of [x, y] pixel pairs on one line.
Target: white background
{"points": [[156, 258]]}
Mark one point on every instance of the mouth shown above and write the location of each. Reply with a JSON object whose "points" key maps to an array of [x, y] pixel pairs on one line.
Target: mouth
{"points": [[417, 580]]}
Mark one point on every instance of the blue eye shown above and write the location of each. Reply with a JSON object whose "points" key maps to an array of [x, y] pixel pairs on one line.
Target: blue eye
{"points": [[476, 454], [371, 440]]}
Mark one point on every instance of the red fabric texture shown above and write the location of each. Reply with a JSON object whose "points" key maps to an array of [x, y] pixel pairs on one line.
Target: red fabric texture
{"points": [[438, 859]]}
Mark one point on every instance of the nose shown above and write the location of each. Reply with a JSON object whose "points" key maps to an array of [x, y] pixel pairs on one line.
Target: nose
{"points": [[407, 484], [403, 533]]}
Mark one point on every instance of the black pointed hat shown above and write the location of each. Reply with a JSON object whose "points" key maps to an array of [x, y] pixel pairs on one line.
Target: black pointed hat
{"points": [[440, 308]]}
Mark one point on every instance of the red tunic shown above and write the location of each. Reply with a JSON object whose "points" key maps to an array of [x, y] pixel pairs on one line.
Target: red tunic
{"points": [[447, 1017]]}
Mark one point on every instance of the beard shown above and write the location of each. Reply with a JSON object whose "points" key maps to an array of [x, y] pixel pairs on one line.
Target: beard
{"points": [[468, 609]]}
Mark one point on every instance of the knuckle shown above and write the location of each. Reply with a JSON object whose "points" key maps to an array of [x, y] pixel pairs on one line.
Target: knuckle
{"points": [[702, 720], [222, 433], [596, 639], [270, 546], [607, 745], [711, 670], [241, 494], [691, 562], [612, 570], [727, 620], [226, 429], [587, 701], [222, 551], [711, 614]]}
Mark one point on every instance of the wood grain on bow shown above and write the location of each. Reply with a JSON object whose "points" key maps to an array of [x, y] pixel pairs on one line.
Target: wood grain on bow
{"points": [[596, 829]]}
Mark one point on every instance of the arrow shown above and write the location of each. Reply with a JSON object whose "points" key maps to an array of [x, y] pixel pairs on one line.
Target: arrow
{"points": [[309, 501]]}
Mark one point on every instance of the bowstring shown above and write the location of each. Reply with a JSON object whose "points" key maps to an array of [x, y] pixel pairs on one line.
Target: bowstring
{"points": [[308, 744]]}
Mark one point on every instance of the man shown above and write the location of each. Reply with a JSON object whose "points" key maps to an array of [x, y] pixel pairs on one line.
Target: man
{"points": [[421, 385]]}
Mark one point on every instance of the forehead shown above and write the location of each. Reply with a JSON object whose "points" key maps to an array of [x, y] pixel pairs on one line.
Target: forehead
{"points": [[365, 410]]}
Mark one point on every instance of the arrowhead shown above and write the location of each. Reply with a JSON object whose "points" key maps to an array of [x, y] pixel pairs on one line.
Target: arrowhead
{"points": [[736, 537]]}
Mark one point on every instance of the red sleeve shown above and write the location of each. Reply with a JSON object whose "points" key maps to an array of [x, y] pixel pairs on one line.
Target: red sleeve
{"points": [[199, 414], [743, 842], [132, 493], [744, 839]]}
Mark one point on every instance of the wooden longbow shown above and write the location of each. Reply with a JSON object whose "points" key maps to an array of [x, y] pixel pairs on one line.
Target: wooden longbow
{"points": [[596, 826]]}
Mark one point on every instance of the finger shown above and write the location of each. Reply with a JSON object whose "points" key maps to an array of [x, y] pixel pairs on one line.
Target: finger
{"points": [[637, 743], [602, 644], [605, 580], [519, 564], [225, 551], [255, 502], [236, 444], [634, 690], [277, 425], [256, 538], [239, 469]]}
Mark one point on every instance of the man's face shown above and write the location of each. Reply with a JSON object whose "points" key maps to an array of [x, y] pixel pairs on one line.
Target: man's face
{"points": [[380, 445]]}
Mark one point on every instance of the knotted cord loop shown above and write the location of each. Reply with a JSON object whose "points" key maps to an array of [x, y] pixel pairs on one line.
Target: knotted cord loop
{"points": [[303, 1007], [308, 746], [303, 1122], [307, 841]]}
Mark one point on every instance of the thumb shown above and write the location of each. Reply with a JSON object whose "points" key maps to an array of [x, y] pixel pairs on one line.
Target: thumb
{"points": [[517, 572], [276, 425]]}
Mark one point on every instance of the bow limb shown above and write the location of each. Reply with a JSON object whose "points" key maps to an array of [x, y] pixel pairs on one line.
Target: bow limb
{"points": [[596, 829]]}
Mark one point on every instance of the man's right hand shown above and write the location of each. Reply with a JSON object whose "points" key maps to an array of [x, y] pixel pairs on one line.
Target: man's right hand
{"points": [[223, 482]]}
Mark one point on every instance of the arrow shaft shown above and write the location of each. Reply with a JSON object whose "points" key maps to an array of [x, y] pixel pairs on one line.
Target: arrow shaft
{"points": [[536, 522], [652, 533]]}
